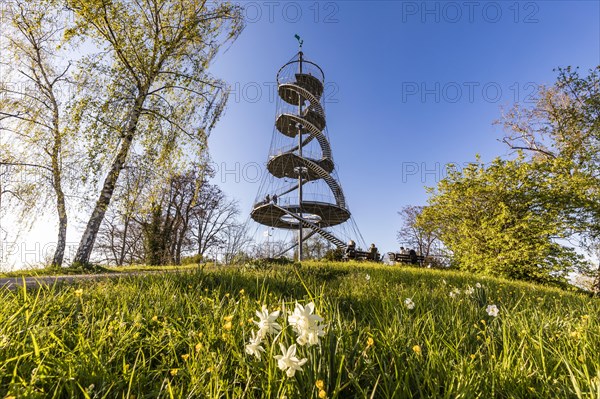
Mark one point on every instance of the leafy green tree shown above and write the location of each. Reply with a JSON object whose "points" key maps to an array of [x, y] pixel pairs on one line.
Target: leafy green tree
{"points": [[504, 220], [148, 86], [155, 239], [563, 128]]}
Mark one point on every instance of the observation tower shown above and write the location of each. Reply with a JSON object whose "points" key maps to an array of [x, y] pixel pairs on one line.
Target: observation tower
{"points": [[301, 191]]}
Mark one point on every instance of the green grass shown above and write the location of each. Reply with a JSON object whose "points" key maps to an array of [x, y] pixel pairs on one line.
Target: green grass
{"points": [[66, 271], [166, 336]]}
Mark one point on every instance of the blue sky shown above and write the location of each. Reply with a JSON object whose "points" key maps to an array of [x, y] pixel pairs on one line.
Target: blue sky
{"points": [[412, 86]]}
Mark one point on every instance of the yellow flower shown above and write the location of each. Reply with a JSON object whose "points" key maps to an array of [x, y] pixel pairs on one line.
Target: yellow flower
{"points": [[473, 357], [79, 292], [155, 318], [322, 394], [198, 347], [227, 295], [320, 384], [370, 342], [417, 349], [574, 334], [185, 357], [227, 326], [174, 372], [224, 336], [228, 318], [242, 291]]}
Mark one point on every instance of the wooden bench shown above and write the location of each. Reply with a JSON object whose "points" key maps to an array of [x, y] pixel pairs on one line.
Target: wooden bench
{"points": [[362, 255], [405, 258]]}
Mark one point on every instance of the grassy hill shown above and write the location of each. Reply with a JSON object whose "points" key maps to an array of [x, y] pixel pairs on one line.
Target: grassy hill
{"points": [[185, 335]]}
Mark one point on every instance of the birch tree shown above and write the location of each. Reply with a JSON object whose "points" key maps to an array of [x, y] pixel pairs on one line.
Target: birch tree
{"points": [[151, 87], [35, 91]]}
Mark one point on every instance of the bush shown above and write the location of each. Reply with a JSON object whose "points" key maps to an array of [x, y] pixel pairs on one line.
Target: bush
{"points": [[188, 260]]}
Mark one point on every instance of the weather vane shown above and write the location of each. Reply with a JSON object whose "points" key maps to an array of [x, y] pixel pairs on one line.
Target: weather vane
{"points": [[300, 41]]}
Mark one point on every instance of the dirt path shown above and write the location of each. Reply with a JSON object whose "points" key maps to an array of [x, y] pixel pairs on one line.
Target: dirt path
{"points": [[12, 283]]}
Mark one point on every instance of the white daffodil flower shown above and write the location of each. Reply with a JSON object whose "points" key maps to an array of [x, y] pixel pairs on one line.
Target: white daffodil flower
{"points": [[267, 323], [492, 310], [254, 347], [288, 362], [306, 324]]}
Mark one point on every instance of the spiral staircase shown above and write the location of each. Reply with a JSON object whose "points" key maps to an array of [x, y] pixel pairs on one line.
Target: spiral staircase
{"points": [[300, 86]]}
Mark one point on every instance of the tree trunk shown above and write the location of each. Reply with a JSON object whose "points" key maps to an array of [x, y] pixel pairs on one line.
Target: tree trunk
{"points": [[86, 245], [61, 207], [121, 259], [61, 242]]}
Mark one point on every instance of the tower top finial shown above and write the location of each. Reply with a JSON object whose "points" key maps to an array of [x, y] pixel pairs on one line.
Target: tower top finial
{"points": [[300, 41]]}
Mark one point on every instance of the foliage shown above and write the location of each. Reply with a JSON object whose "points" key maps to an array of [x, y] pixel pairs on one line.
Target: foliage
{"points": [[155, 238], [334, 254], [521, 218], [505, 220], [194, 259], [563, 128], [183, 335], [148, 86]]}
